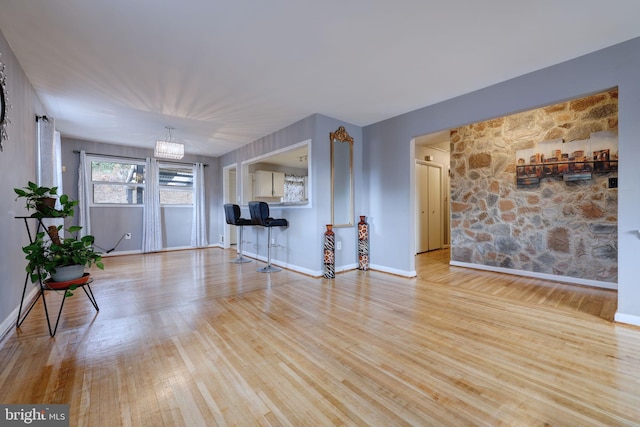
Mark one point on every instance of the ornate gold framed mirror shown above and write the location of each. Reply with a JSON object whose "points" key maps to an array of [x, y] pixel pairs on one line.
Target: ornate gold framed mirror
{"points": [[341, 178]]}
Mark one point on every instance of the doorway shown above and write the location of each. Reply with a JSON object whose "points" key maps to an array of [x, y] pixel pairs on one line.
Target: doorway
{"points": [[230, 195], [431, 198]]}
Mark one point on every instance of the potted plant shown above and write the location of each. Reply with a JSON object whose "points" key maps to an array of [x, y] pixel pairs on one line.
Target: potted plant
{"points": [[49, 254], [41, 200]]}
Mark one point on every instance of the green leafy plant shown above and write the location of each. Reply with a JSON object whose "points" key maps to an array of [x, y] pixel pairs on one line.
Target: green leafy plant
{"points": [[48, 251], [36, 196]]}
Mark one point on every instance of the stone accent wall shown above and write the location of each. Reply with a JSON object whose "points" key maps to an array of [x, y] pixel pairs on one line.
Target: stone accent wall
{"points": [[559, 228]]}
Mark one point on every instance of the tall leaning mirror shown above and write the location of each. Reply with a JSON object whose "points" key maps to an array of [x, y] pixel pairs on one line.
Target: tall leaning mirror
{"points": [[341, 178]]}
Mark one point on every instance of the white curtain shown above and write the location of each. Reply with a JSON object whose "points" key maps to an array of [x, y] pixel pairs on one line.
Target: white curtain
{"points": [[294, 190], [49, 160], [50, 164], [151, 227], [57, 170], [199, 223], [84, 194]]}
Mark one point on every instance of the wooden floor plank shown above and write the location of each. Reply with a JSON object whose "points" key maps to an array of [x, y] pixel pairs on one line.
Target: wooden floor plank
{"points": [[189, 338]]}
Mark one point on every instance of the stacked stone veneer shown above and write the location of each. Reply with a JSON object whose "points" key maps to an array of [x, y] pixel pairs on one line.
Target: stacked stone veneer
{"points": [[559, 228]]}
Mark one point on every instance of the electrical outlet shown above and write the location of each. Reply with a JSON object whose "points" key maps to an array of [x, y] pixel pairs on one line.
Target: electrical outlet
{"points": [[273, 241], [338, 246], [222, 238], [127, 236]]}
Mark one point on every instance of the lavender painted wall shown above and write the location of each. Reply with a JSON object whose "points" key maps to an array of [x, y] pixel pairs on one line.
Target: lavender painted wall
{"points": [[300, 244], [388, 158], [18, 166], [110, 223], [383, 167]]}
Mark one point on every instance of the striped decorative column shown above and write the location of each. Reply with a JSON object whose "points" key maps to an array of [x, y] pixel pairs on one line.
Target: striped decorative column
{"points": [[329, 253], [363, 244]]}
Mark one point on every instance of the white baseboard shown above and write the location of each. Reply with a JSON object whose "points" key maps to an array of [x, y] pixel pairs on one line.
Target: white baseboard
{"points": [[629, 319], [10, 322], [176, 248], [343, 268], [118, 253], [403, 273], [552, 277], [281, 264]]}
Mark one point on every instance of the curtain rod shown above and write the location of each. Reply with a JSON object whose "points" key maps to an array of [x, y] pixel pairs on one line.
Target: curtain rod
{"points": [[136, 158]]}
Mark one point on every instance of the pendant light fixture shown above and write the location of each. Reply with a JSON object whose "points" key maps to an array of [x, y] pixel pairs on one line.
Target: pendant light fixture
{"points": [[168, 149]]}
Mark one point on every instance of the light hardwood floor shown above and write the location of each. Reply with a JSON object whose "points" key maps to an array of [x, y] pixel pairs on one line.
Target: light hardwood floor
{"points": [[189, 339]]}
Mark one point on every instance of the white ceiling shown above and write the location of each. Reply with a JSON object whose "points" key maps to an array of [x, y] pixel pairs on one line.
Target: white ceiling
{"points": [[224, 73], [439, 140]]}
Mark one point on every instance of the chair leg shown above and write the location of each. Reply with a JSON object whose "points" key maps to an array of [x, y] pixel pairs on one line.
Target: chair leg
{"points": [[269, 268], [241, 259]]}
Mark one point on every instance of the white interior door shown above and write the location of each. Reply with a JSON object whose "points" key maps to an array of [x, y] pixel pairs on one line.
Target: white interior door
{"points": [[429, 223]]}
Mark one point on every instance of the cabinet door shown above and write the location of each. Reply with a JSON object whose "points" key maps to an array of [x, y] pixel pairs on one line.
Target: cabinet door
{"points": [[263, 184], [278, 184]]}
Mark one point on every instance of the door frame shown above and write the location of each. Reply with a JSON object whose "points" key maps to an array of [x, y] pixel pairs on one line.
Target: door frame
{"points": [[227, 198]]}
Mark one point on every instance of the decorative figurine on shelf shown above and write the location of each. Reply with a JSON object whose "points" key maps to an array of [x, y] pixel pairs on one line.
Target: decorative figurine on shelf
{"points": [[363, 244], [329, 253]]}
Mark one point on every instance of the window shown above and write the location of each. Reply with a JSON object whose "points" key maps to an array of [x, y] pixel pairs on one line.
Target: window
{"points": [[293, 163], [294, 189], [117, 182], [176, 185]]}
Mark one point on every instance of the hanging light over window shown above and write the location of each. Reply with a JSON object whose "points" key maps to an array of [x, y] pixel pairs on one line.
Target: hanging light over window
{"points": [[169, 149]]}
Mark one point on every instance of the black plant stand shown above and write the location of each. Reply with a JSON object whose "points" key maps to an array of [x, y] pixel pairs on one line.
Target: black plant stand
{"points": [[44, 288]]}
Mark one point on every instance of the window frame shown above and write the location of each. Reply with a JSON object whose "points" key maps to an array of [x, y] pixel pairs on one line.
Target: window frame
{"points": [[247, 180], [115, 159], [161, 188]]}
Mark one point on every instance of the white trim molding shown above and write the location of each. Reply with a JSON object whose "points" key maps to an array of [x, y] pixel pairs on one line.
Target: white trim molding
{"points": [[10, 322], [629, 319], [552, 277], [384, 269], [282, 264]]}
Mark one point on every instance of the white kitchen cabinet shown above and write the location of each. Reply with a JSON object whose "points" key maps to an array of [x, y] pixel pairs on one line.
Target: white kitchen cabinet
{"points": [[269, 184]]}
